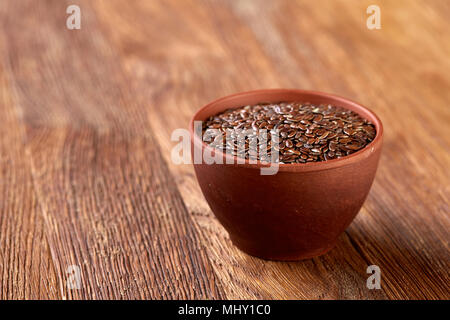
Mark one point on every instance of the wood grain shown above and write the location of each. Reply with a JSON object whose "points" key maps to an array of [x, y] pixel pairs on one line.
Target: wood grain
{"points": [[26, 269], [95, 109], [110, 204]]}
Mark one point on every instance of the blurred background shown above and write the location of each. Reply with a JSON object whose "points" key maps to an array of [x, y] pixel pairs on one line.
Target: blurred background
{"points": [[86, 177]]}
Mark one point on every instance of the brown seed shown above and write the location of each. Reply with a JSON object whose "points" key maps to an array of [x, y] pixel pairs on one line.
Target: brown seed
{"points": [[332, 146], [293, 151], [291, 133], [324, 135], [353, 146], [318, 118], [349, 131], [344, 140], [289, 144]]}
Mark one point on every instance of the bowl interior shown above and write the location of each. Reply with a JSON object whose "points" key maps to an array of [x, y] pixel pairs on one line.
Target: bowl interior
{"points": [[278, 95]]}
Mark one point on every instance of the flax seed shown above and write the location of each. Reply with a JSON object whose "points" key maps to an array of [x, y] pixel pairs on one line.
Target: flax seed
{"points": [[304, 132]]}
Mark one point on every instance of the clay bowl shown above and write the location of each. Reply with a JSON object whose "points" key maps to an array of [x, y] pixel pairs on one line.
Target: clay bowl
{"points": [[299, 212]]}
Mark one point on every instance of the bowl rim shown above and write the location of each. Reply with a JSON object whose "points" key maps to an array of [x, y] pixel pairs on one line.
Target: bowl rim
{"points": [[360, 155]]}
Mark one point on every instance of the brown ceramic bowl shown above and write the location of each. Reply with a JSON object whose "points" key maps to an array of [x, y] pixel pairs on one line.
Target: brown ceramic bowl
{"points": [[299, 212]]}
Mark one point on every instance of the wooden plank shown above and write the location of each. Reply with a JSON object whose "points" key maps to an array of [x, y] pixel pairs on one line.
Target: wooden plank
{"points": [[99, 106], [197, 56], [110, 203], [403, 227], [210, 49], [26, 270]]}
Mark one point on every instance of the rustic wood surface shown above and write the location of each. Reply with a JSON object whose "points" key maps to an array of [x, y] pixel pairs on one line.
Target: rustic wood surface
{"points": [[86, 177]]}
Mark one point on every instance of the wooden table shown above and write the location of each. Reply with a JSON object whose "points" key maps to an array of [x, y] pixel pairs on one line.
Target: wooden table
{"points": [[86, 177]]}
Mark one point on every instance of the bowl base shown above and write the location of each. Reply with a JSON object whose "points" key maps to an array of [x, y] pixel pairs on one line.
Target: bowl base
{"points": [[294, 256]]}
